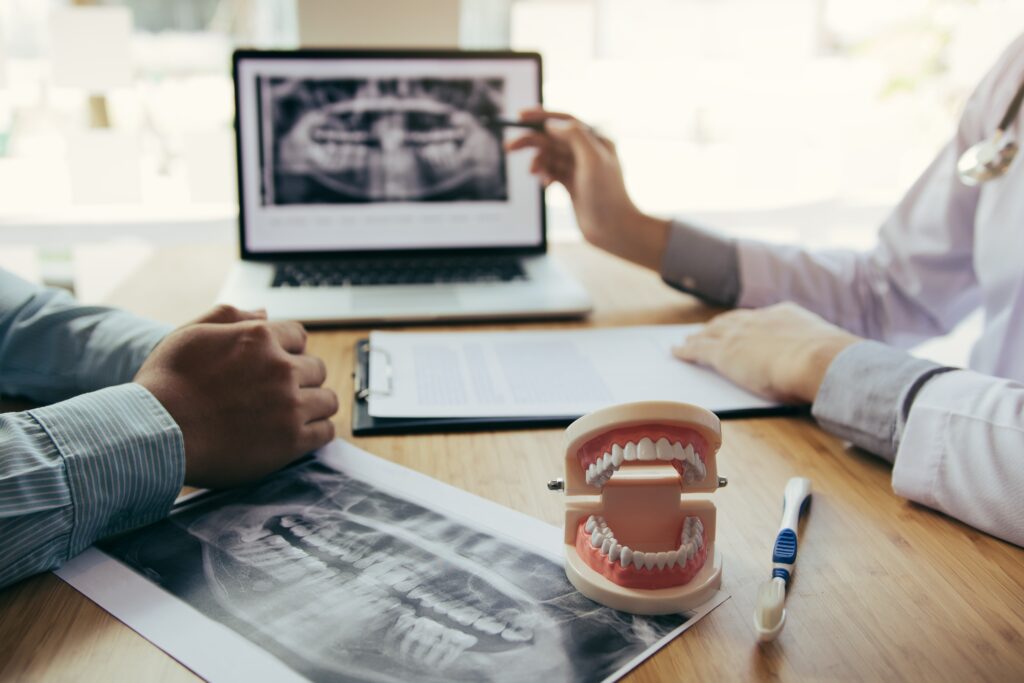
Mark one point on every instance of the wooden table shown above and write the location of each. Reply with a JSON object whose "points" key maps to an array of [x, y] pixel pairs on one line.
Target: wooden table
{"points": [[886, 589]]}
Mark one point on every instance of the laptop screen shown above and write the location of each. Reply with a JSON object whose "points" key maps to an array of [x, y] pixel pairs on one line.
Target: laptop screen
{"points": [[373, 151]]}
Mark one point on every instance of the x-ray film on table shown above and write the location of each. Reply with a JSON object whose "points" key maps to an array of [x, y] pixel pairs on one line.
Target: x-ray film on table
{"points": [[366, 140], [349, 568]]}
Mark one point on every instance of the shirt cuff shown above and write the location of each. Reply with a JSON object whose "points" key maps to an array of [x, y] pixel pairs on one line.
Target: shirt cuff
{"points": [[701, 263], [124, 456], [867, 392]]}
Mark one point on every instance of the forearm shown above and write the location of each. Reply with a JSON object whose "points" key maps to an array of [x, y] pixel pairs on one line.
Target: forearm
{"points": [[638, 238], [956, 437], [52, 348], [82, 469]]}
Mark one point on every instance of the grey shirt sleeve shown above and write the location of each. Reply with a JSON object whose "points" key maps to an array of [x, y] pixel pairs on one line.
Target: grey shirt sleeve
{"points": [[867, 393], [701, 263], [869, 387]]}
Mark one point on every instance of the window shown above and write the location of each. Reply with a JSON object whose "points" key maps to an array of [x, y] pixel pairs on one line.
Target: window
{"points": [[793, 120]]}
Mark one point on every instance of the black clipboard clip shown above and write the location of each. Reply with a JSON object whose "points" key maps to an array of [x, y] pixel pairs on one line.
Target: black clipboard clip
{"points": [[361, 372]]}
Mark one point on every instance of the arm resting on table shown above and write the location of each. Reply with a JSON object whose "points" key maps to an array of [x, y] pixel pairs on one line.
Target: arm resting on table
{"points": [[52, 348], [956, 437], [77, 471]]}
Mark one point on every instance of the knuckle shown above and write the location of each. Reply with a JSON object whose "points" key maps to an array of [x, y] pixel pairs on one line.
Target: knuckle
{"points": [[226, 311], [259, 331], [283, 370]]}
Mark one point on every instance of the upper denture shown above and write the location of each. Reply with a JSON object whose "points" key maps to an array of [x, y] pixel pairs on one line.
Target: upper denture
{"points": [[685, 448]]}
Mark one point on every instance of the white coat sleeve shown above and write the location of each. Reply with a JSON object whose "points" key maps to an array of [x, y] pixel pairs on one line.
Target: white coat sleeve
{"points": [[956, 437], [962, 451]]}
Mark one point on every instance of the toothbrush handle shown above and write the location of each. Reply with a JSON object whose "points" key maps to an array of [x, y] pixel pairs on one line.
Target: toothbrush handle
{"points": [[796, 499]]}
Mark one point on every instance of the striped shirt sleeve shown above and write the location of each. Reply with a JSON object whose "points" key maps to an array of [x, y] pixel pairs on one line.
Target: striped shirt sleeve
{"points": [[82, 469]]}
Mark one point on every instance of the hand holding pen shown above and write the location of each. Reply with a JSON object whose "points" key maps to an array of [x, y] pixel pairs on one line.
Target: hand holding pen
{"points": [[572, 153]]}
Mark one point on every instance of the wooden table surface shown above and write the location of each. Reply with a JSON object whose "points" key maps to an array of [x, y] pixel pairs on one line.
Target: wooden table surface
{"points": [[885, 589]]}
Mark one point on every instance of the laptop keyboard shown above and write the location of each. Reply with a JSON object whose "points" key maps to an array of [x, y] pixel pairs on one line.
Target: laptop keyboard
{"points": [[397, 271]]}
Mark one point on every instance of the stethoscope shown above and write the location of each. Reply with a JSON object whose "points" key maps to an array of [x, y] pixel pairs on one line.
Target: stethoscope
{"points": [[990, 158]]}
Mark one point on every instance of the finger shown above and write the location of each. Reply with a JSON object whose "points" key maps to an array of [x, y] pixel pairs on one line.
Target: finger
{"points": [[528, 140], [541, 164], [316, 434], [575, 134], [311, 371], [317, 403], [289, 334], [725, 320], [225, 314], [608, 143], [535, 114], [696, 349]]}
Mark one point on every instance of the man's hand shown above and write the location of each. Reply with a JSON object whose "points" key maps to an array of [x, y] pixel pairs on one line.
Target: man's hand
{"points": [[247, 398], [571, 153], [781, 351]]}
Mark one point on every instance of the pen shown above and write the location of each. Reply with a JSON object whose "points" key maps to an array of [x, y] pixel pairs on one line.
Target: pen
{"points": [[490, 122]]}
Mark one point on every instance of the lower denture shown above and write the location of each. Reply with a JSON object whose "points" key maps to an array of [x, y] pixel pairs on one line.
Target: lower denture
{"points": [[633, 577]]}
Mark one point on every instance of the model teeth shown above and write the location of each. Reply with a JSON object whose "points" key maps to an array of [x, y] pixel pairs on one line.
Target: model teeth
{"points": [[691, 539], [601, 470]]}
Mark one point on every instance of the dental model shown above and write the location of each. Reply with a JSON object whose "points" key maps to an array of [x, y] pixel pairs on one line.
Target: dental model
{"points": [[634, 540]]}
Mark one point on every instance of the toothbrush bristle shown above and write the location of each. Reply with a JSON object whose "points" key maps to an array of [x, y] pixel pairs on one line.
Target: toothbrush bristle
{"points": [[771, 599]]}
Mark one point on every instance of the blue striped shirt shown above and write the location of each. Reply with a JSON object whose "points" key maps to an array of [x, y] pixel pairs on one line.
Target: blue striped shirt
{"points": [[104, 456]]}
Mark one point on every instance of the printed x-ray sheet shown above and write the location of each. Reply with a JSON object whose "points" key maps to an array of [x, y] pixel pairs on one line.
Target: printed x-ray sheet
{"points": [[351, 568]]}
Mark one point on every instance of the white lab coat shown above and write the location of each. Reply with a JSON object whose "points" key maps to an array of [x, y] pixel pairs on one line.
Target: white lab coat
{"points": [[945, 250]]}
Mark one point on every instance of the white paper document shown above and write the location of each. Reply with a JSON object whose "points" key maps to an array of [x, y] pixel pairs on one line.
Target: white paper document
{"points": [[352, 568], [547, 373]]}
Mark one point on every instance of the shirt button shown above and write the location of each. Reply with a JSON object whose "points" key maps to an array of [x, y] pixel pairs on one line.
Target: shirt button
{"points": [[690, 282]]}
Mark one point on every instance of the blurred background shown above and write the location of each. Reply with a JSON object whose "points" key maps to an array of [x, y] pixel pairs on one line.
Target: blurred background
{"points": [[792, 120]]}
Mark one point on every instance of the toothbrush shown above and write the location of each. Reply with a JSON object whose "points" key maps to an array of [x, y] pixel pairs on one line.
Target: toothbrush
{"points": [[770, 612]]}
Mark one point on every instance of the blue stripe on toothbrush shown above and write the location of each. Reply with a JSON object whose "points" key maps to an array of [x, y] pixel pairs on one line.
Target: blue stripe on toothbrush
{"points": [[785, 547], [784, 552]]}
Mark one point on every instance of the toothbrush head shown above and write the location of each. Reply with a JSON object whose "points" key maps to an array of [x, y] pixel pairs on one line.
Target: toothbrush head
{"points": [[770, 612]]}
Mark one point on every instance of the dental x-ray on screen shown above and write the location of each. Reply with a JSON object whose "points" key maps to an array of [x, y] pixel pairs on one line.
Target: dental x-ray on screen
{"points": [[381, 139]]}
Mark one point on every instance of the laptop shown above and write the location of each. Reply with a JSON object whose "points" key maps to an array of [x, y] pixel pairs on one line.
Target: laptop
{"points": [[373, 187]]}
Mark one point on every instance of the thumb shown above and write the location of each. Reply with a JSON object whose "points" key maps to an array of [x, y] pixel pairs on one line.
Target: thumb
{"points": [[224, 314], [573, 133], [685, 351]]}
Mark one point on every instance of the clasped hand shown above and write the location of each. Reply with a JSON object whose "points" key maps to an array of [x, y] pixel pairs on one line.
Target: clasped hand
{"points": [[246, 395]]}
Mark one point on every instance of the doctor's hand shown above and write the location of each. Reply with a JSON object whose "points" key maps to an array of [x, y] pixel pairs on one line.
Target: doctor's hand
{"points": [[244, 392], [586, 163], [781, 352]]}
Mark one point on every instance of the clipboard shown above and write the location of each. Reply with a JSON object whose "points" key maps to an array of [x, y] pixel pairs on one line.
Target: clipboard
{"points": [[364, 424]]}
